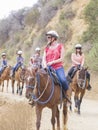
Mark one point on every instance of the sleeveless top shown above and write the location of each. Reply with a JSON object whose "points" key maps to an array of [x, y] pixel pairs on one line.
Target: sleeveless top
{"points": [[77, 59], [54, 54]]}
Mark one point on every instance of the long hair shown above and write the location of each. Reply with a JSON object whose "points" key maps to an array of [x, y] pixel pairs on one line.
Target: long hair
{"points": [[80, 52]]}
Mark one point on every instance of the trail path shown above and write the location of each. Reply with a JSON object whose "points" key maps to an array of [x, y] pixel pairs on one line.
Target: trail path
{"points": [[88, 120]]}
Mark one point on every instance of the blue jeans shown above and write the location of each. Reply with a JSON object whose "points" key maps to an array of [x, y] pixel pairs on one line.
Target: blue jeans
{"points": [[16, 67], [61, 76]]}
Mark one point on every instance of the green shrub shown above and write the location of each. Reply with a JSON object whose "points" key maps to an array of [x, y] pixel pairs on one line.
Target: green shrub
{"points": [[91, 35], [32, 16]]}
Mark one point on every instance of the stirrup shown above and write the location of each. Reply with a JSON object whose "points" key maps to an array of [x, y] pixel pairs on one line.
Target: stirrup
{"points": [[67, 98]]}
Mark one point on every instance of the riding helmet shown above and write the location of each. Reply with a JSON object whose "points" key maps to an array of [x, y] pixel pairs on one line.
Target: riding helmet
{"points": [[53, 33]]}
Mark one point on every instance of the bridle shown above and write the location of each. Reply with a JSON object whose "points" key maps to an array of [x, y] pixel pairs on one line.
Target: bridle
{"points": [[79, 80], [41, 94]]}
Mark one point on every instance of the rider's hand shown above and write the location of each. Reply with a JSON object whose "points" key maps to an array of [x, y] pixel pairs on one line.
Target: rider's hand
{"points": [[50, 63], [79, 66]]}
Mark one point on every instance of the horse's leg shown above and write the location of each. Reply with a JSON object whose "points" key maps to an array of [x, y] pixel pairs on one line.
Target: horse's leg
{"points": [[18, 87], [21, 89], [2, 84], [70, 107], [54, 112], [79, 102], [65, 117], [7, 85], [76, 99], [58, 119], [38, 114], [13, 81]]}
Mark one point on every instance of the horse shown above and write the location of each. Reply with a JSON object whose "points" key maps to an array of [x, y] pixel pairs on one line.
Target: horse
{"points": [[5, 76], [47, 94], [19, 77], [79, 85]]}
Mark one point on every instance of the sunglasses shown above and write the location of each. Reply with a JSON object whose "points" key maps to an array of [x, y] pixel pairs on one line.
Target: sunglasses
{"points": [[78, 48], [49, 37]]}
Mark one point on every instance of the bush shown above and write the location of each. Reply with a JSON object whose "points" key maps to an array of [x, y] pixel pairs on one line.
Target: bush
{"points": [[91, 35], [91, 16], [63, 27], [32, 16]]}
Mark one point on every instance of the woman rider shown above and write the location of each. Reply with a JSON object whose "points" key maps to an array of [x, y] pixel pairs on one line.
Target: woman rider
{"points": [[78, 62], [3, 62], [54, 57]]}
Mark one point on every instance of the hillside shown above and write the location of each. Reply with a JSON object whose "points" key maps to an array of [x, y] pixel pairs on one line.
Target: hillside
{"points": [[72, 19], [76, 21]]}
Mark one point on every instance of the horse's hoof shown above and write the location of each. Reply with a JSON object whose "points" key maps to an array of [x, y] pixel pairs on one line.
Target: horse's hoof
{"points": [[17, 91], [75, 110], [12, 92], [20, 93], [79, 112], [65, 128]]}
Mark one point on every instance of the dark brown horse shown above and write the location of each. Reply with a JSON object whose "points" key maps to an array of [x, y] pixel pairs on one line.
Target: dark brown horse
{"points": [[5, 76], [19, 77], [47, 95], [79, 85]]}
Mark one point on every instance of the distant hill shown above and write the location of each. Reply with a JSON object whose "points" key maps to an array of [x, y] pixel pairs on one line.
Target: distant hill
{"points": [[75, 21]]}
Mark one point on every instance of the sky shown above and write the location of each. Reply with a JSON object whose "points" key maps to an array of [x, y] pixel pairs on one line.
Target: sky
{"points": [[6, 6]]}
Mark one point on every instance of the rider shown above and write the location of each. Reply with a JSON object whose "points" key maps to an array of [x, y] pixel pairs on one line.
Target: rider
{"points": [[20, 61], [3, 62], [36, 59], [54, 57], [78, 62]]}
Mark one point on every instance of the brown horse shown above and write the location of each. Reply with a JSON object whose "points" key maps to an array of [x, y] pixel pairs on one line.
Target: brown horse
{"points": [[47, 95], [19, 77], [79, 85], [5, 76]]}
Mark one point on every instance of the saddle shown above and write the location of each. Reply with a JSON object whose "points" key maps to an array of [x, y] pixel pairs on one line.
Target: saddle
{"points": [[53, 74]]}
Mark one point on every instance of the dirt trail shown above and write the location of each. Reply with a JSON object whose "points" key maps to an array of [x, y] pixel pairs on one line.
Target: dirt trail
{"points": [[88, 119]]}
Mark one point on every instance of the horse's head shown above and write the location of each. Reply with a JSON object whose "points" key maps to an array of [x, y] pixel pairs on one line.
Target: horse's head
{"points": [[81, 79], [30, 76]]}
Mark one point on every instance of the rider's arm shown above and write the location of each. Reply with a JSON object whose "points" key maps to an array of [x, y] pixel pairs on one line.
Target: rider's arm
{"points": [[44, 60], [83, 58]]}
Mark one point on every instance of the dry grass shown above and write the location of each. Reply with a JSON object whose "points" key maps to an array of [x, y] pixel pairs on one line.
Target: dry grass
{"points": [[16, 116]]}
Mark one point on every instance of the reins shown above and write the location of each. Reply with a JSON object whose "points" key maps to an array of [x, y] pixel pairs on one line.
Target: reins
{"points": [[51, 93], [37, 99]]}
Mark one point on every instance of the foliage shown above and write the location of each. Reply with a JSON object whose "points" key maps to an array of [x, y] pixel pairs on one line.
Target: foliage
{"points": [[32, 16], [63, 27], [47, 13], [91, 35]]}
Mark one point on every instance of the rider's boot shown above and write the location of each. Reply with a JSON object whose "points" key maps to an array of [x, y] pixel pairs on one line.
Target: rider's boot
{"points": [[69, 79], [67, 95], [89, 87]]}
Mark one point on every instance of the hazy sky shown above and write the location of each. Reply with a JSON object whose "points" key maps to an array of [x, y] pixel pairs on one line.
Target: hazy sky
{"points": [[6, 6]]}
